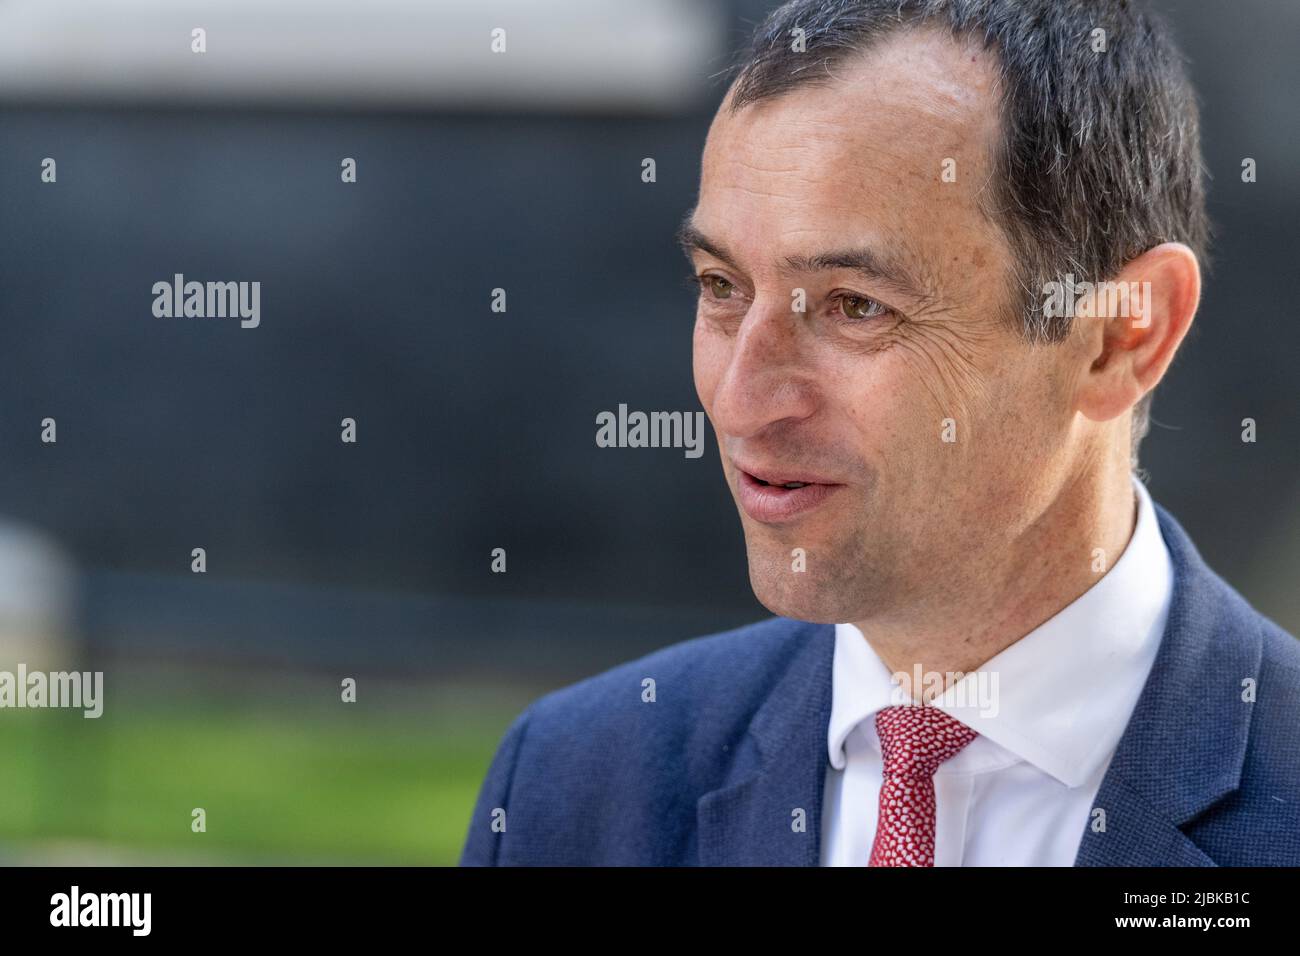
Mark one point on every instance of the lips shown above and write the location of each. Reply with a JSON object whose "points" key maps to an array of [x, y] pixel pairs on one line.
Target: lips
{"points": [[773, 496]]}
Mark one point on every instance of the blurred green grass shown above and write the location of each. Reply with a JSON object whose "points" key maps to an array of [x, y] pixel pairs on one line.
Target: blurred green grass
{"points": [[280, 779]]}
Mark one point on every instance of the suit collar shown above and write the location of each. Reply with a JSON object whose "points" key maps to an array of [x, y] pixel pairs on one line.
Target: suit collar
{"points": [[1181, 753], [1185, 745], [756, 821]]}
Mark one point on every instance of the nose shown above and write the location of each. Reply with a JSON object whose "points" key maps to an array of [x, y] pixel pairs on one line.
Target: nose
{"points": [[766, 378]]}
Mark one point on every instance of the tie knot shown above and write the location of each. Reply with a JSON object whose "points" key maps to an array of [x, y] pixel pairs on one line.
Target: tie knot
{"points": [[914, 740]]}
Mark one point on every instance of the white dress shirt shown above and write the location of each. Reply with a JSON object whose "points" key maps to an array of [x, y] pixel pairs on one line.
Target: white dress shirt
{"points": [[1022, 792]]}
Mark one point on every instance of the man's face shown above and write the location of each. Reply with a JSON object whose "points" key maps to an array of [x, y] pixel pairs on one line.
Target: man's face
{"points": [[904, 339]]}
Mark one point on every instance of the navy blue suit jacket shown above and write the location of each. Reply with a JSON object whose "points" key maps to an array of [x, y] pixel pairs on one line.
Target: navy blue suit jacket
{"points": [[714, 771]]}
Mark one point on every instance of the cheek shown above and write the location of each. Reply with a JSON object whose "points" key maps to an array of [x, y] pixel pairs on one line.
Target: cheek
{"points": [[952, 374], [878, 415], [879, 392], [708, 360], [897, 419]]}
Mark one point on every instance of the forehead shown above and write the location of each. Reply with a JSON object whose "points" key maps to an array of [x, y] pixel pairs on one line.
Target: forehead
{"points": [[861, 155]]}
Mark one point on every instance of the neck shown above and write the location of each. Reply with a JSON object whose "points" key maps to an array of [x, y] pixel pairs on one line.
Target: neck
{"points": [[1046, 568]]}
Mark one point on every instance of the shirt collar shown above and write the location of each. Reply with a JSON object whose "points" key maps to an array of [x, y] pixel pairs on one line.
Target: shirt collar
{"points": [[1064, 691]]}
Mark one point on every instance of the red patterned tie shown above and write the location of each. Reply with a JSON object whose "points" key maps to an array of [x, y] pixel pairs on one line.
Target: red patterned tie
{"points": [[914, 740]]}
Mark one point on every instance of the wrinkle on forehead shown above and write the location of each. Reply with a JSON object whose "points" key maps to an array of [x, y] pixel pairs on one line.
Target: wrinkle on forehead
{"points": [[861, 154]]}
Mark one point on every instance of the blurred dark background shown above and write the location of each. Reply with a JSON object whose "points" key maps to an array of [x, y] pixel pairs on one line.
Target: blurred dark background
{"points": [[475, 429]]}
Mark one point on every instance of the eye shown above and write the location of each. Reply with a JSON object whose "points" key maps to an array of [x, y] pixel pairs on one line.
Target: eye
{"points": [[716, 285], [719, 286], [861, 307]]}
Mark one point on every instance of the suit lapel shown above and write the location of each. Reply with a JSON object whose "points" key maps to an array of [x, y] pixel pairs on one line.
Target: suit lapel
{"points": [[753, 821], [1185, 744], [1136, 834]]}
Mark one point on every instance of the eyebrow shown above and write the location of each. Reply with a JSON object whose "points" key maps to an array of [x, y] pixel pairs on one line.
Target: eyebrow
{"points": [[867, 263], [690, 239]]}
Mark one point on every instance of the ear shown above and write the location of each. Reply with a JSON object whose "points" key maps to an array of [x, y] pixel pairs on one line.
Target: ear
{"points": [[1145, 311]]}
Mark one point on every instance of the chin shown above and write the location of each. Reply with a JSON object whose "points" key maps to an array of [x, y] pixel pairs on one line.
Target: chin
{"points": [[784, 594]]}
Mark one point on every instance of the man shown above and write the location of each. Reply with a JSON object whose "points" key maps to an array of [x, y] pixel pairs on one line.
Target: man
{"points": [[992, 647]]}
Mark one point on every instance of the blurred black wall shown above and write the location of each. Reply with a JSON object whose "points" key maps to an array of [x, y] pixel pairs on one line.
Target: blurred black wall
{"points": [[476, 430]]}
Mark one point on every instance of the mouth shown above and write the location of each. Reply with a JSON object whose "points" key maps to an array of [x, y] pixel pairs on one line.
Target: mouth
{"points": [[771, 497], [784, 484]]}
